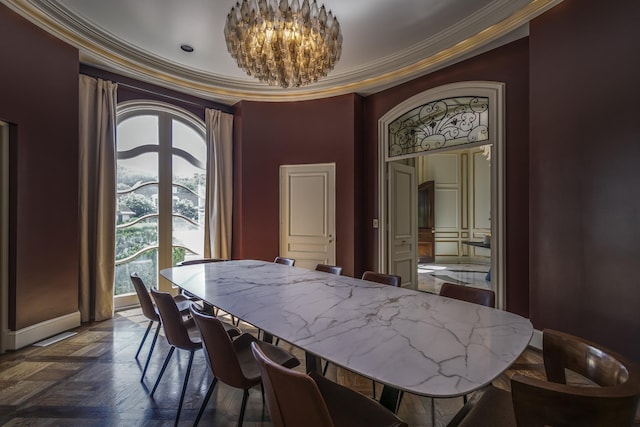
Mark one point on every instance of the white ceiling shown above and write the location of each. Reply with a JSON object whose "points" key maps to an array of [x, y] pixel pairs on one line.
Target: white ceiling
{"points": [[384, 41]]}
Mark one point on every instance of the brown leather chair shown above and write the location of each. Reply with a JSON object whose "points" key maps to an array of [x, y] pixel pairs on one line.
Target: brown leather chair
{"points": [[231, 361], [208, 307], [177, 333], [150, 312], [297, 399], [333, 269], [385, 279], [200, 261], [484, 297], [609, 398], [284, 261]]}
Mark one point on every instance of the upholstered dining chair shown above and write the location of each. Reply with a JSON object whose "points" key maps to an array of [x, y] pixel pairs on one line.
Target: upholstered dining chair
{"points": [[297, 399], [182, 335], [231, 361], [602, 391], [208, 307], [385, 279], [480, 296], [177, 333], [151, 313], [284, 261], [333, 269]]}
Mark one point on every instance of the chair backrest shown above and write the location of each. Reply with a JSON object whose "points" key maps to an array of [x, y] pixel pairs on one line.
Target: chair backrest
{"points": [[333, 269], [200, 261], [174, 328], [386, 279], [612, 403], [470, 294], [219, 349], [148, 309], [293, 398], [284, 261]]}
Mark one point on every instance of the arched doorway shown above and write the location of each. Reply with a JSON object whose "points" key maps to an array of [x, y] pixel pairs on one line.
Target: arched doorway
{"points": [[429, 110]]}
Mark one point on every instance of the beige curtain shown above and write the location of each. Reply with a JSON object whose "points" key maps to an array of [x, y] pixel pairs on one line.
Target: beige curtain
{"points": [[217, 225], [97, 197]]}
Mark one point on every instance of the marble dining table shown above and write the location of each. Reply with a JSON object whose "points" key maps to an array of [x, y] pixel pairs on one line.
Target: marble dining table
{"points": [[407, 340]]}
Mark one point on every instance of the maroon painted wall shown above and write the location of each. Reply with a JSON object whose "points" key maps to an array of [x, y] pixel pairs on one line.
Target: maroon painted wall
{"points": [[585, 172], [43, 106], [272, 134], [508, 64]]}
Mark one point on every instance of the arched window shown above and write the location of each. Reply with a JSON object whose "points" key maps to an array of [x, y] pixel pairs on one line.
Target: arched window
{"points": [[161, 178]]}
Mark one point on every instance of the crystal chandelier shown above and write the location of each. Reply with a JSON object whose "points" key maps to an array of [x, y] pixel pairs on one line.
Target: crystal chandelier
{"points": [[283, 44]]}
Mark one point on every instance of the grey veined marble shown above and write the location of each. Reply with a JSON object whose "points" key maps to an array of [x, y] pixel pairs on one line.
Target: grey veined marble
{"points": [[414, 341]]}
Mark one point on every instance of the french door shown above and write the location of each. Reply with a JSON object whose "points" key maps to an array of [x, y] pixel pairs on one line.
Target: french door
{"points": [[161, 179]]}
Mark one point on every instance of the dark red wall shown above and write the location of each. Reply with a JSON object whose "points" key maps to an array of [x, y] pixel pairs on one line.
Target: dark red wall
{"points": [[508, 64], [272, 134], [39, 95], [585, 171]]}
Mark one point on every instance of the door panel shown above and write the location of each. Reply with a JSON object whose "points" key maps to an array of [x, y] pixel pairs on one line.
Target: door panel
{"points": [[403, 225], [426, 222], [307, 214]]}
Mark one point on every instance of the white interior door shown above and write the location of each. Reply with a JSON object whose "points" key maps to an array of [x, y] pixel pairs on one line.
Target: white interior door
{"points": [[307, 214], [403, 224]]}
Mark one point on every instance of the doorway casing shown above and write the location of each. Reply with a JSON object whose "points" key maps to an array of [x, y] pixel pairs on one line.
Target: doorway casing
{"points": [[495, 92], [4, 236]]}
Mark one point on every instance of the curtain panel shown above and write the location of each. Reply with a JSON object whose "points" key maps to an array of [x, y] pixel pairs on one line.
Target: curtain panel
{"points": [[219, 186], [97, 197]]}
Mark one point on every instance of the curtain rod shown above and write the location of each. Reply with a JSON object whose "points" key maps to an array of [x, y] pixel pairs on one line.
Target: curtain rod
{"points": [[136, 85]]}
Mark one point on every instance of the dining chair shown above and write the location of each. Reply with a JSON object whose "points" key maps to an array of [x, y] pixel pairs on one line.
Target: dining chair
{"points": [[284, 261], [602, 390], [333, 269], [182, 335], [231, 361], [208, 307], [385, 279], [479, 296], [150, 311], [177, 333], [297, 399]]}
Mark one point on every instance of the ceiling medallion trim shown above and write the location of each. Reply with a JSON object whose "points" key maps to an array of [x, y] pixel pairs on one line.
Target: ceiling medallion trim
{"points": [[110, 51]]}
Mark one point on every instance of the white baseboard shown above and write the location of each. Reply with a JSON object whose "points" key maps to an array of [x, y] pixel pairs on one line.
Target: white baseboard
{"points": [[34, 333], [536, 340]]}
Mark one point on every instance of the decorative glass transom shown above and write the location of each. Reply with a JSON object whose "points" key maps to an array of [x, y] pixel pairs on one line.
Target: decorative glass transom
{"points": [[443, 123]]}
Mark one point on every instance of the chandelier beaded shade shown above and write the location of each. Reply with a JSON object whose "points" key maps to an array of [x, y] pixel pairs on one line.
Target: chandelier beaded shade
{"points": [[283, 44]]}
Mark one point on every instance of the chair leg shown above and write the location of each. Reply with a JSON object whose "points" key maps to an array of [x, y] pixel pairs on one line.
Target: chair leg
{"points": [[243, 407], [144, 338], [153, 345], [433, 412], [206, 400], [324, 371], [374, 389], [164, 366], [184, 386]]}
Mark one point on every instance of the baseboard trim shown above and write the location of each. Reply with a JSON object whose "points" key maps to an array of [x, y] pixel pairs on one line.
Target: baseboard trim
{"points": [[34, 333], [536, 340]]}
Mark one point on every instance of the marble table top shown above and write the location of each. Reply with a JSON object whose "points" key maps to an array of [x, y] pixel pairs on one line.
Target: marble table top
{"points": [[414, 341]]}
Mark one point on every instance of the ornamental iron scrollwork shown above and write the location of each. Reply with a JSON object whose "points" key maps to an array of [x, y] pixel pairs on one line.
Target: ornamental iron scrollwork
{"points": [[439, 124]]}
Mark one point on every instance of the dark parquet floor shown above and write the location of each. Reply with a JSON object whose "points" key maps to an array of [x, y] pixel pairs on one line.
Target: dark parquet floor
{"points": [[93, 379]]}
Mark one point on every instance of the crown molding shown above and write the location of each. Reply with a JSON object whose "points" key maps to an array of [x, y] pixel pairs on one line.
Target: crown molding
{"points": [[104, 50]]}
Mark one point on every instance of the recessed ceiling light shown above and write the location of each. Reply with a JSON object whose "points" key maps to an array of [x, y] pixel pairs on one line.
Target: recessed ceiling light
{"points": [[187, 48]]}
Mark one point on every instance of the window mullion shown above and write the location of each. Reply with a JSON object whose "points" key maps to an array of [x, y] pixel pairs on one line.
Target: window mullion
{"points": [[165, 205]]}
